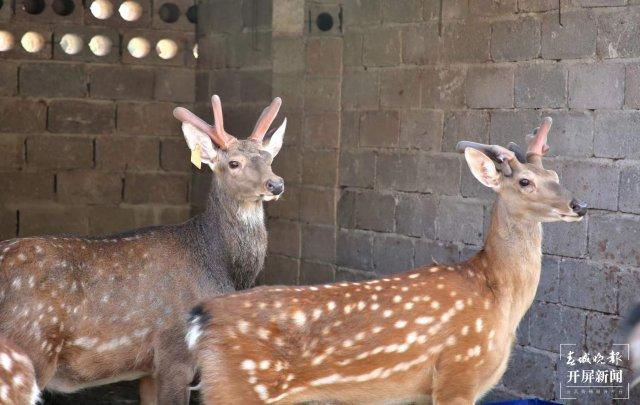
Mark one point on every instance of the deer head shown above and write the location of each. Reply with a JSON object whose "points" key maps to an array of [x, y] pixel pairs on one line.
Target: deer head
{"points": [[241, 167], [521, 180]]}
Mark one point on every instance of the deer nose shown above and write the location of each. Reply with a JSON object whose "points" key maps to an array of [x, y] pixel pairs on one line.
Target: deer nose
{"points": [[275, 186], [578, 207]]}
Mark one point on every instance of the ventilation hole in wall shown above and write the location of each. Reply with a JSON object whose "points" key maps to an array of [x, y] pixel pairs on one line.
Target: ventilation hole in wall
{"points": [[169, 13], [195, 51], [100, 45], [324, 21], [6, 41], [32, 6], [192, 14], [166, 48], [32, 42], [63, 7], [101, 9], [1, 4], [130, 11], [71, 44], [138, 47]]}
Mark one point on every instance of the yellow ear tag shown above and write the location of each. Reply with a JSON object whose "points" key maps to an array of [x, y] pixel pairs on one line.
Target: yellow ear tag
{"points": [[196, 157]]}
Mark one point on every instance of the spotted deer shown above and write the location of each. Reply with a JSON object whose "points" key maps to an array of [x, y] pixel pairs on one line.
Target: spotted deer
{"points": [[92, 311], [17, 378], [440, 333]]}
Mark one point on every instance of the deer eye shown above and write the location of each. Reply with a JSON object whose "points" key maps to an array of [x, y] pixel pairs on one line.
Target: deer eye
{"points": [[234, 164], [524, 182]]}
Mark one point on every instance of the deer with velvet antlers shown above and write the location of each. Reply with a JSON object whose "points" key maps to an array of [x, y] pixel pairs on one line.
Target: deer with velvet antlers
{"points": [[440, 333], [91, 311]]}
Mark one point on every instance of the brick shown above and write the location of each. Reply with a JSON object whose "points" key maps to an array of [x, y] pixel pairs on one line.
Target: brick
{"points": [[224, 15], [357, 169], [512, 126], [492, 8], [290, 88], [459, 221], [121, 82], [531, 373], [392, 254], [155, 188], [350, 275], [23, 116], [603, 331], [288, 17], [322, 94], [574, 39], [88, 117], [439, 174], [536, 6], [347, 209], [401, 11], [176, 85], [443, 87], [53, 220], [571, 133], [466, 41], [355, 250], [601, 3], [360, 89], [430, 9], [617, 34], [397, 171], [320, 168], [56, 152], [375, 211], [8, 224], [53, 80], [255, 86], [147, 119], [382, 47], [552, 324], [352, 49], [617, 134], [379, 128], [321, 130], [26, 187], [632, 86], [362, 12], [421, 129], [319, 243], [287, 207], [471, 187], [256, 13], [8, 79], [127, 153], [588, 285], [522, 330], [349, 129], [455, 9], [12, 151], [465, 126], [398, 88], [421, 44], [288, 55], [566, 239], [416, 215], [288, 164], [89, 187], [280, 270], [174, 155], [614, 237], [284, 237], [316, 273], [515, 40], [489, 87], [540, 85], [628, 285], [428, 252], [630, 189], [109, 220], [324, 56], [607, 81], [318, 206], [594, 182], [549, 285]]}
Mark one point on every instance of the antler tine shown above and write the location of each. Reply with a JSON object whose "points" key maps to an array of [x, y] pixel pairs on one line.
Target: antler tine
{"points": [[187, 117], [498, 153], [265, 120], [537, 142]]}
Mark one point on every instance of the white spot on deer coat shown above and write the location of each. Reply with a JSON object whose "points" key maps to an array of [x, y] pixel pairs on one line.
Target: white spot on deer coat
{"points": [[6, 361], [299, 318], [478, 325], [248, 365]]}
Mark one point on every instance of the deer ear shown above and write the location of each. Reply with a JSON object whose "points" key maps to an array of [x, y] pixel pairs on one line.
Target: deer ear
{"points": [[195, 137], [275, 142], [482, 168]]}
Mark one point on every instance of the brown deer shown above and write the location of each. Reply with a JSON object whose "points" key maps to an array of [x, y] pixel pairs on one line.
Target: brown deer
{"points": [[91, 311], [443, 332], [17, 378]]}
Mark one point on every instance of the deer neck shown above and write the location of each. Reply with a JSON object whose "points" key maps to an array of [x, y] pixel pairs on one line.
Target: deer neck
{"points": [[512, 260], [234, 232]]}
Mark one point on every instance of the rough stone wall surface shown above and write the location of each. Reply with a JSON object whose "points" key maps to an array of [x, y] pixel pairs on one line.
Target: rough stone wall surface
{"points": [[376, 106]]}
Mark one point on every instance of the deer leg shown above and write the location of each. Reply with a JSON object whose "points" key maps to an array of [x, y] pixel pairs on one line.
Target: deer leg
{"points": [[174, 367], [148, 391]]}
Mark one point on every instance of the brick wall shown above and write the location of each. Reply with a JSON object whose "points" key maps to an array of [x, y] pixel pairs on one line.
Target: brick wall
{"points": [[377, 104]]}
